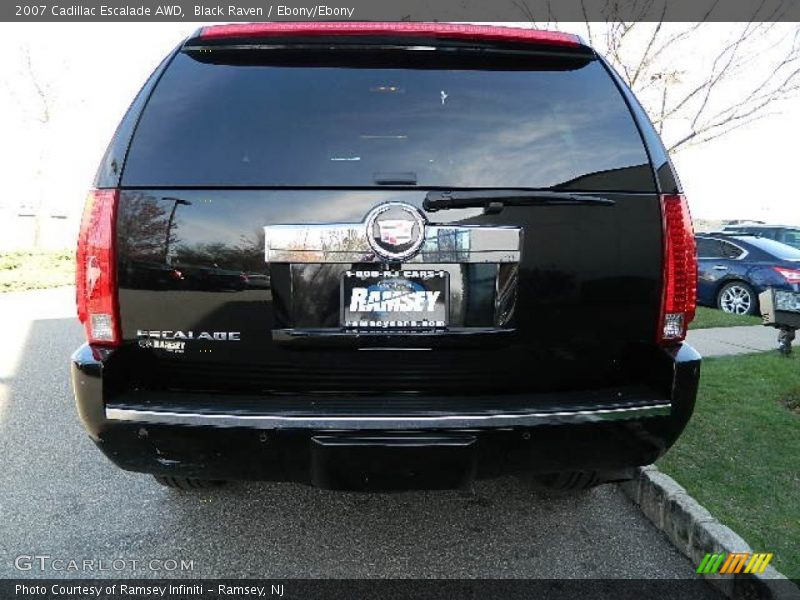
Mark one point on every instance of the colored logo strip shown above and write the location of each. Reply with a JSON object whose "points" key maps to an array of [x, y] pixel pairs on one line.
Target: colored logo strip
{"points": [[735, 562]]}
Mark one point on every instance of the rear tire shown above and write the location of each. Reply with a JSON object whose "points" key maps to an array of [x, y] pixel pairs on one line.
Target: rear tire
{"points": [[187, 483], [570, 481], [737, 298]]}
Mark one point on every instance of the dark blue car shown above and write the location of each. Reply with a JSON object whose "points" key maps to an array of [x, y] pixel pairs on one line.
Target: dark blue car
{"points": [[734, 269]]}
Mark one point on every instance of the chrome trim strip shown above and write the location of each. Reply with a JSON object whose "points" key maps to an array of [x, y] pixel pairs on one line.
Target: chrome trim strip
{"points": [[347, 243], [377, 422]]}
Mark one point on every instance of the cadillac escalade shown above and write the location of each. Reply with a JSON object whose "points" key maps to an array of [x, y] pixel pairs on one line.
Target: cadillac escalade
{"points": [[385, 256]]}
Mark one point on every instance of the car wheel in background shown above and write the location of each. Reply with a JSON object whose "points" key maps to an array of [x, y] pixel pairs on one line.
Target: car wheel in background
{"points": [[737, 298]]}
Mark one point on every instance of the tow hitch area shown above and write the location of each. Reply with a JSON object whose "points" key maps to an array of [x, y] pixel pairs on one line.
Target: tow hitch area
{"points": [[392, 462]]}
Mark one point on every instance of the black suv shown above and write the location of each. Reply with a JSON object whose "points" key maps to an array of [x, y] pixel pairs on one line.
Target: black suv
{"points": [[385, 255]]}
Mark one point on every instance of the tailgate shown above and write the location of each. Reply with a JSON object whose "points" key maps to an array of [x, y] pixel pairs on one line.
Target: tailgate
{"points": [[207, 310], [253, 197]]}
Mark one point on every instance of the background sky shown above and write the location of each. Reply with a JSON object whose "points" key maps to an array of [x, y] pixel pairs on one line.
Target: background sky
{"points": [[89, 73]]}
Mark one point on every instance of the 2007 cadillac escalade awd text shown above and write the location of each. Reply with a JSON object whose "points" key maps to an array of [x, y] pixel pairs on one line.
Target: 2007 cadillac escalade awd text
{"points": [[382, 256]]}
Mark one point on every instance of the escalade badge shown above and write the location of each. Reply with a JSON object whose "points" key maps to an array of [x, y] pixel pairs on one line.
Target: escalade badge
{"points": [[395, 230]]}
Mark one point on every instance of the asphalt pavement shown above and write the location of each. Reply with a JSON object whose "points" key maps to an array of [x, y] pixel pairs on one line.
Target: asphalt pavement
{"points": [[61, 498]]}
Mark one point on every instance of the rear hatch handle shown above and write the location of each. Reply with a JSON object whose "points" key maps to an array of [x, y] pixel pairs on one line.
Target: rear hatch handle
{"points": [[493, 201]]}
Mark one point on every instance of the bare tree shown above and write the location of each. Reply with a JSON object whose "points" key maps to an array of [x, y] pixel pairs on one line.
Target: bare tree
{"points": [[35, 100], [42, 108], [691, 97]]}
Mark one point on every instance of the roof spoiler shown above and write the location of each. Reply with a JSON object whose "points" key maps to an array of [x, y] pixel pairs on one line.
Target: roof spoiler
{"points": [[248, 33]]}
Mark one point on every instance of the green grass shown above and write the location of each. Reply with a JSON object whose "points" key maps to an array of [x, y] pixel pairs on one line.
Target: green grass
{"points": [[740, 454], [36, 270], [712, 317]]}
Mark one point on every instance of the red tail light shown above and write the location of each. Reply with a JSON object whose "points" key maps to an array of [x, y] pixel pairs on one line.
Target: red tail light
{"points": [[790, 275], [95, 272], [438, 30], [679, 298]]}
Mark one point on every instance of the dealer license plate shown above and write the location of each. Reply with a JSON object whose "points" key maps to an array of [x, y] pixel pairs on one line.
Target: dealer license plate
{"points": [[408, 299]]}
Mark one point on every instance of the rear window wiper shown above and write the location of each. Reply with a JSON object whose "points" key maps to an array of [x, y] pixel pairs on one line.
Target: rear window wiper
{"points": [[493, 201]]}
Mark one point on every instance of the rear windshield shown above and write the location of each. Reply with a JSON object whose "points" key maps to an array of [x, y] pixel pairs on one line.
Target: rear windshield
{"points": [[776, 249], [792, 237], [559, 123]]}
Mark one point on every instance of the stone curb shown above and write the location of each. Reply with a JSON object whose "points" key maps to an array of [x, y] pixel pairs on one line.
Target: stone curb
{"points": [[695, 532]]}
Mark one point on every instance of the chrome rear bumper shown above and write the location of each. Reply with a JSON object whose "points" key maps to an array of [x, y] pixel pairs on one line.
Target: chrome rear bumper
{"points": [[271, 421]]}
